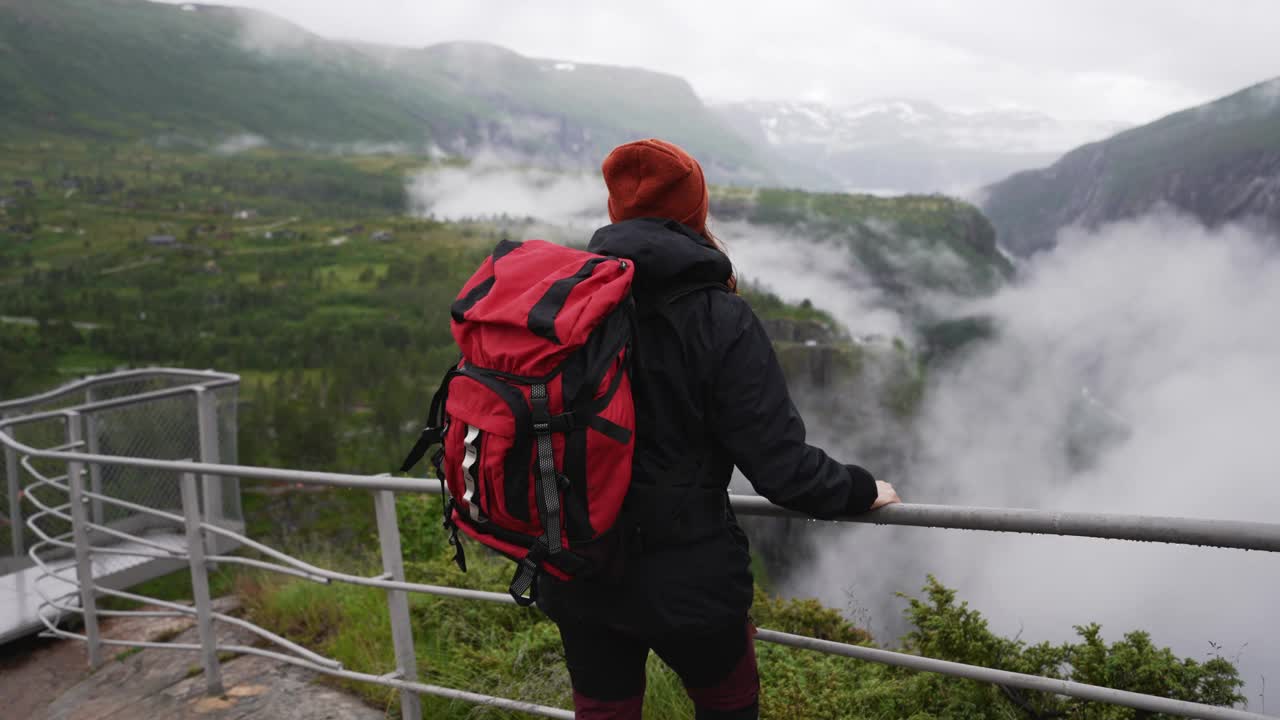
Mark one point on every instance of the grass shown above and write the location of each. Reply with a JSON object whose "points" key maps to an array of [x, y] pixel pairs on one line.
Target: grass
{"points": [[502, 650], [497, 650], [174, 587], [488, 648]]}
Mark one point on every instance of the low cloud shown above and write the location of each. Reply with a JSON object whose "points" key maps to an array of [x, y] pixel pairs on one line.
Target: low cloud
{"points": [[240, 143], [797, 266], [1134, 372], [267, 34], [488, 189]]}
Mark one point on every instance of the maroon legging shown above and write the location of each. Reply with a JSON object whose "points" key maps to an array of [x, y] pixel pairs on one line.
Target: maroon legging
{"points": [[607, 667]]}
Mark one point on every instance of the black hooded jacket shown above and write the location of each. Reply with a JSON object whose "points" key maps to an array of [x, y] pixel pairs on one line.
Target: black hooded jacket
{"points": [[709, 395]]}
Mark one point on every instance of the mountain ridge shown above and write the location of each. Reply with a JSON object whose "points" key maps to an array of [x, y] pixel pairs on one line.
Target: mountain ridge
{"points": [[132, 68], [1219, 162], [899, 145]]}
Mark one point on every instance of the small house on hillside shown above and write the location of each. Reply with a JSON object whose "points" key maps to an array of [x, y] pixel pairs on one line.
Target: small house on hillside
{"points": [[382, 236], [162, 241], [245, 214]]}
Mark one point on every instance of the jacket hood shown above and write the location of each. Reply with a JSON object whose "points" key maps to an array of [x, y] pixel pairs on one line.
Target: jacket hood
{"points": [[665, 253]]}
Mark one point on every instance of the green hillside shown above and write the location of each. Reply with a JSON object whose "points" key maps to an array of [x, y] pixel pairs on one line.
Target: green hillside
{"points": [[1218, 162], [114, 68], [909, 245], [136, 69]]}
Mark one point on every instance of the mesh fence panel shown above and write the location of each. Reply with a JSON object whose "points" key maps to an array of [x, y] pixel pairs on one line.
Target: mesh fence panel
{"points": [[165, 428], [162, 429]]}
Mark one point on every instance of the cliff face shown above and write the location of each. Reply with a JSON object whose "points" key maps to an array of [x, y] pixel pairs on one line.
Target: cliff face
{"points": [[1219, 162]]}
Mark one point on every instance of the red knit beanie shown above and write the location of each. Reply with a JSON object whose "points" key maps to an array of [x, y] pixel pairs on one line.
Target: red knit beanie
{"points": [[653, 178]]}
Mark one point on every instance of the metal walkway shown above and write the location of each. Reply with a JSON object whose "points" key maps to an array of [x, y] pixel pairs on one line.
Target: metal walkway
{"points": [[22, 593]]}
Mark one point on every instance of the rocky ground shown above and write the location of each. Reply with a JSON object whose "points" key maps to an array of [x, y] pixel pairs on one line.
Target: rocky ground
{"points": [[43, 679]]}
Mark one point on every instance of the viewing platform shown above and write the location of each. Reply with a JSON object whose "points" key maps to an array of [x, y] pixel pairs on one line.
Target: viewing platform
{"points": [[117, 479]]}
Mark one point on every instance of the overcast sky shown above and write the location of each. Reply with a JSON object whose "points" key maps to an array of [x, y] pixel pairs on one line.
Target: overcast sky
{"points": [[1079, 60]]}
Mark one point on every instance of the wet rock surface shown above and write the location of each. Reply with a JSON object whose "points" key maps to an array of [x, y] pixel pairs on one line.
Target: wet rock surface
{"points": [[50, 680]]}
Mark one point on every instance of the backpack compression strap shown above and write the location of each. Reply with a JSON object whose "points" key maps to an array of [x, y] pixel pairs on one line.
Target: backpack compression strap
{"points": [[548, 491]]}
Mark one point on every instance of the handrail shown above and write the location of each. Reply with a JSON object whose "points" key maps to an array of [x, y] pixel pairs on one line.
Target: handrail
{"points": [[1185, 531], [900, 659], [1238, 534], [111, 378], [110, 403]]}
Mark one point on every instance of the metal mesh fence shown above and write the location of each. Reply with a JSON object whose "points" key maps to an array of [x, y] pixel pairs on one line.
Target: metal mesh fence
{"points": [[167, 428], [163, 429]]}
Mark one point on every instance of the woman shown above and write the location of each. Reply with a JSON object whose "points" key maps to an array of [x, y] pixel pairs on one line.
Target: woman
{"points": [[709, 395]]}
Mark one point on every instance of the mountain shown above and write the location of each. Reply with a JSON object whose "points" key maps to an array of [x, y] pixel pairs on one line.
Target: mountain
{"points": [[896, 145], [204, 73], [1219, 162]]}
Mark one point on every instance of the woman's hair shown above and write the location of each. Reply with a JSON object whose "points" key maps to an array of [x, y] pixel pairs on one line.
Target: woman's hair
{"points": [[732, 282]]}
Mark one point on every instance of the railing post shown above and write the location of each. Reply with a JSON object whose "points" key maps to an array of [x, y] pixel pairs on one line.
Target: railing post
{"points": [[93, 446], [80, 531], [15, 496], [384, 507], [200, 585], [210, 452]]}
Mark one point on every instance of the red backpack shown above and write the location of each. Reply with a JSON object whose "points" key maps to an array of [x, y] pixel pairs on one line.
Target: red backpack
{"points": [[536, 422]]}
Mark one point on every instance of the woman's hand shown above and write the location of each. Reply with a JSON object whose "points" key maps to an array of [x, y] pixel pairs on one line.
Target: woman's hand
{"points": [[885, 495]]}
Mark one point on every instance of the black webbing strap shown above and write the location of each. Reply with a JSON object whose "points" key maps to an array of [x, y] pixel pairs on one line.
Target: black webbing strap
{"points": [[570, 421], [548, 477], [548, 493], [433, 433], [458, 310], [526, 577], [542, 317], [430, 436], [446, 505]]}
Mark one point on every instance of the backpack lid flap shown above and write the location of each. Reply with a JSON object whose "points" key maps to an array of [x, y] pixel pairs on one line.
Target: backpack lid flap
{"points": [[537, 303]]}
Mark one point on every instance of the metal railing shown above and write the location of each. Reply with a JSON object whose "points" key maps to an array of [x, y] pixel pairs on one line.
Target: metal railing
{"points": [[161, 413], [200, 530]]}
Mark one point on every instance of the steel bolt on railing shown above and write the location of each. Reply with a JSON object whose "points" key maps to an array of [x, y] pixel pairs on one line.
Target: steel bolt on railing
{"points": [[205, 532]]}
